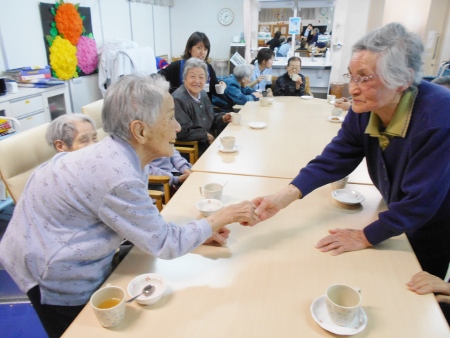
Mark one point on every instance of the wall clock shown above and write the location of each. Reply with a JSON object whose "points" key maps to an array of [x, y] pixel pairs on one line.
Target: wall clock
{"points": [[324, 10], [226, 16]]}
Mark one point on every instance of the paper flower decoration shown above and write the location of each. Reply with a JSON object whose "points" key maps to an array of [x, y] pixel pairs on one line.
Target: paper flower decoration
{"points": [[68, 22], [63, 59], [87, 54]]}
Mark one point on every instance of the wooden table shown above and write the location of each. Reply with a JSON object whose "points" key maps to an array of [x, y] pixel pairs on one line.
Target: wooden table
{"points": [[297, 131], [263, 282]]}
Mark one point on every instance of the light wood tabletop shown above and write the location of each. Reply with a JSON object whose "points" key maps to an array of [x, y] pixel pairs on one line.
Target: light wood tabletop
{"points": [[263, 281], [297, 131]]}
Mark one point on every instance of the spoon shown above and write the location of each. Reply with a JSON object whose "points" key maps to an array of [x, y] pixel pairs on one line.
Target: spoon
{"points": [[147, 290], [224, 184]]}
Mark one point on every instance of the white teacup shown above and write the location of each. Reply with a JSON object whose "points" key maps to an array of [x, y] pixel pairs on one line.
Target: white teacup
{"points": [[236, 118], [331, 98], [343, 303], [268, 77], [212, 191], [295, 77], [108, 304], [336, 111], [228, 142], [264, 101], [340, 184], [220, 88]]}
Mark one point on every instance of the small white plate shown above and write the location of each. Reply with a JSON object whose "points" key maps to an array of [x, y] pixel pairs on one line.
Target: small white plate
{"points": [[347, 196], [257, 125], [320, 314], [332, 102], [335, 119], [223, 150], [307, 97]]}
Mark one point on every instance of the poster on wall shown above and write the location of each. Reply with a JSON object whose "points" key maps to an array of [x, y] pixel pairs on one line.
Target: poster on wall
{"points": [[294, 25], [69, 42]]}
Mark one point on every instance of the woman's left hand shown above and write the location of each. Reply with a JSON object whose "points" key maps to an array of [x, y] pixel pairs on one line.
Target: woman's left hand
{"points": [[342, 240], [226, 118]]}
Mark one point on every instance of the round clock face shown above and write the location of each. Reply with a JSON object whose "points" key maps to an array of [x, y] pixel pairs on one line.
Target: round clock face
{"points": [[324, 10], [226, 16]]}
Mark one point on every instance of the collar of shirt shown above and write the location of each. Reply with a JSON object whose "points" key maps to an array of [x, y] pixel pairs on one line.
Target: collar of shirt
{"points": [[196, 99], [399, 123]]}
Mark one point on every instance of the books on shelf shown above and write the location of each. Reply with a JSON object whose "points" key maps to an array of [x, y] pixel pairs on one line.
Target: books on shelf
{"points": [[29, 73], [40, 83]]}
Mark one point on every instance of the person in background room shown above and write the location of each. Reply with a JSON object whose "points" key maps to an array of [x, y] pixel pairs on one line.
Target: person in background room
{"points": [[197, 46], [60, 242], [263, 66], [237, 91], [275, 42], [284, 49], [70, 132], [401, 125], [443, 81], [307, 35], [287, 86], [198, 120]]}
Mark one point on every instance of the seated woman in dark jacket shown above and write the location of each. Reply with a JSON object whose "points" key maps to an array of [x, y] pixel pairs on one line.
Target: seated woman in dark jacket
{"points": [[292, 83], [237, 91], [193, 109]]}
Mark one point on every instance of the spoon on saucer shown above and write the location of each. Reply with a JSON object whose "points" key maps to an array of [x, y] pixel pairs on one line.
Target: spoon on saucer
{"points": [[147, 290]]}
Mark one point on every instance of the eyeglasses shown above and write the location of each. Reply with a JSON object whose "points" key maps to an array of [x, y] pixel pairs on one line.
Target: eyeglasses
{"points": [[294, 67], [358, 79]]}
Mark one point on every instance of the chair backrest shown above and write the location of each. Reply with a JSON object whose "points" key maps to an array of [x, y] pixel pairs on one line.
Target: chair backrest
{"points": [[274, 80], [20, 154], [94, 111]]}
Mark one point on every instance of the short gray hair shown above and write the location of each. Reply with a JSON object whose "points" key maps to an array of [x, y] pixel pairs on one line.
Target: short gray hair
{"points": [[242, 71], [194, 63], [400, 54], [63, 128], [133, 97]]}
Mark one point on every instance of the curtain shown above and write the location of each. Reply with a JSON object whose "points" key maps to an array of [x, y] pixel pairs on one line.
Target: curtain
{"points": [[248, 28], [167, 3]]}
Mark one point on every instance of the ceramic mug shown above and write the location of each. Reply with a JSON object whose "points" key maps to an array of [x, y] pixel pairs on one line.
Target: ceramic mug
{"points": [[295, 77], [331, 98], [336, 111], [264, 102], [343, 303], [212, 191], [268, 77], [108, 304], [228, 142], [236, 118], [220, 88]]}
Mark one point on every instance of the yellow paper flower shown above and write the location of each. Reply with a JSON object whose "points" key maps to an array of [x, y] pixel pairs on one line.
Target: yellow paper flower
{"points": [[68, 22], [63, 58]]}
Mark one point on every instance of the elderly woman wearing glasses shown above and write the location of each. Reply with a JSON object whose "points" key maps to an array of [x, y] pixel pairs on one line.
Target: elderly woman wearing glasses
{"points": [[193, 109], [401, 125], [292, 83], [237, 91], [77, 208]]}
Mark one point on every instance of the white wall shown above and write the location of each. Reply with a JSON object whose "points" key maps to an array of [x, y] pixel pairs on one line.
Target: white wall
{"points": [[189, 16]]}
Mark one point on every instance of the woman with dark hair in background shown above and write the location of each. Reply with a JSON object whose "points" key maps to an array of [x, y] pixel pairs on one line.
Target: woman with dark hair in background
{"points": [[262, 68], [197, 46], [275, 42]]}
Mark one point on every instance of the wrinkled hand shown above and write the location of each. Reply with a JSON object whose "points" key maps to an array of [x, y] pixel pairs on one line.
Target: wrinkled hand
{"points": [[266, 206], [183, 177], [257, 95], [242, 212], [219, 236], [342, 103], [210, 138], [226, 117], [269, 92], [423, 283], [342, 240], [223, 84]]}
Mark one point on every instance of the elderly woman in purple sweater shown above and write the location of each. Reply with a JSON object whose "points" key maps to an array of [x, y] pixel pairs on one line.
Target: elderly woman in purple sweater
{"points": [[401, 125]]}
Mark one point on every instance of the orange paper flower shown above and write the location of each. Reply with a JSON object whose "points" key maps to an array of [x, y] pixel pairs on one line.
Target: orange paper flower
{"points": [[69, 22]]}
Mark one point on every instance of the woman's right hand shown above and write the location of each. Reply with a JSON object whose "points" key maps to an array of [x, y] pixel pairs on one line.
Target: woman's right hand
{"points": [[257, 94], [342, 103], [210, 138], [423, 283], [261, 78], [242, 212]]}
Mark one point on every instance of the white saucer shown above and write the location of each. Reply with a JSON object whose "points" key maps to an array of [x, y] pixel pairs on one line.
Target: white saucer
{"points": [[332, 102], [320, 314], [307, 97], [223, 150], [335, 119], [347, 196], [257, 125]]}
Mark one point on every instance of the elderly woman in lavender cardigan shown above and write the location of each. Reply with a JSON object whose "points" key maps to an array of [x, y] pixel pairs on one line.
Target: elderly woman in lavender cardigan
{"points": [[78, 207]]}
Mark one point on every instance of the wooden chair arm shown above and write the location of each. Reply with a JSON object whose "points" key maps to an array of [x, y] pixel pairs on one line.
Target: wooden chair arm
{"points": [[158, 179], [157, 196]]}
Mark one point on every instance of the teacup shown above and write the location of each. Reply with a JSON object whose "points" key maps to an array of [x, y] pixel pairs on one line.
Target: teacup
{"points": [[343, 303], [295, 77], [236, 118], [336, 111], [108, 304], [331, 98], [212, 191], [340, 184], [220, 88], [268, 77], [228, 142], [264, 101]]}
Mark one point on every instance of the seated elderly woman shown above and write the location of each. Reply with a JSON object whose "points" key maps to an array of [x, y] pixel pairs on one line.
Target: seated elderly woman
{"points": [[237, 91], [292, 83], [193, 109], [70, 132], [78, 207]]}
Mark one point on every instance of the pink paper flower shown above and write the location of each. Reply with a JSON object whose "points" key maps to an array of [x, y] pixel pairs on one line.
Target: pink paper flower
{"points": [[87, 54]]}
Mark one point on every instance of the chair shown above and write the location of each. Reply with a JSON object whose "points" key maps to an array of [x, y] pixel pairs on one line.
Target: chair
{"points": [[307, 85], [33, 150], [188, 147], [303, 53], [274, 80]]}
